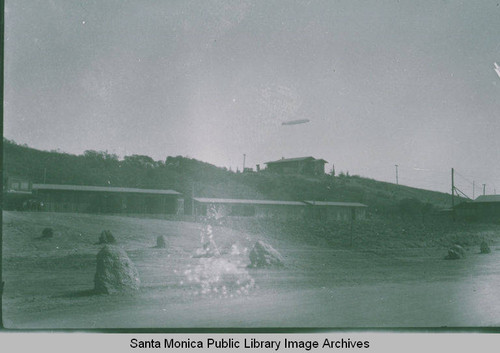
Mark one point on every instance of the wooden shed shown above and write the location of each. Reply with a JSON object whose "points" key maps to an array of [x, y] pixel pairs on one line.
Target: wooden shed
{"points": [[103, 199], [483, 208], [213, 207], [336, 211]]}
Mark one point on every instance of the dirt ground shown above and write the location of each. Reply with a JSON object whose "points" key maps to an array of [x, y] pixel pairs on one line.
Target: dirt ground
{"points": [[49, 282]]}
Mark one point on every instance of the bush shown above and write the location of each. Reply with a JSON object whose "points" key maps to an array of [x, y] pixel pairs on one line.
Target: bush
{"points": [[485, 249], [47, 233]]}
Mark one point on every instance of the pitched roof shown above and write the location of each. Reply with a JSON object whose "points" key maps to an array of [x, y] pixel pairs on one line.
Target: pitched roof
{"points": [[284, 160], [102, 189], [18, 192], [248, 202], [488, 198], [337, 204]]}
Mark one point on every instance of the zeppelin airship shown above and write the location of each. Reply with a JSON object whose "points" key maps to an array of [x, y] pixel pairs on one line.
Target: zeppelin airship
{"points": [[497, 69], [295, 122]]}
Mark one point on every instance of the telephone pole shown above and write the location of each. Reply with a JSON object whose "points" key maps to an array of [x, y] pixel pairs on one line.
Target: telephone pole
{"points": [[192, 199], [453, 193], [244, 158], [397, 181], [473, 189], [484, 189]]}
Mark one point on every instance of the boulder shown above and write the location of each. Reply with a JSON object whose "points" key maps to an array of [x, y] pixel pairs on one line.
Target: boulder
{"points": [[160, 242], [115, 272], [457, 248], [484, 248], [453, 255], [47, 233], [455, 252], [106, 237], [264, 255]]}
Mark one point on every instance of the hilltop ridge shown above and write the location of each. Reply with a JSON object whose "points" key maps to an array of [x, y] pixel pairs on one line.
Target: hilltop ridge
{"points": [[188, 176]]}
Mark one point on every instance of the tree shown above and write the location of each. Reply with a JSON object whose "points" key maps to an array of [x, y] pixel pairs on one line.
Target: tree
{"points": [[139, 161]]}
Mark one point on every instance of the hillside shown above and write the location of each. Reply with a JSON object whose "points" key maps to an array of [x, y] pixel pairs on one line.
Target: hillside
{"points": [[103, 169], [185, 174]]}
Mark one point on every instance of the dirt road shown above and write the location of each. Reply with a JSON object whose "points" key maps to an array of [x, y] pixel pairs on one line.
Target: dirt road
{"points": [[49, 283]]}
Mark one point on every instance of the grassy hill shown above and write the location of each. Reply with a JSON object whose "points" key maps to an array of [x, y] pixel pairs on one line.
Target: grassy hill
{"points": [[186, 174]]}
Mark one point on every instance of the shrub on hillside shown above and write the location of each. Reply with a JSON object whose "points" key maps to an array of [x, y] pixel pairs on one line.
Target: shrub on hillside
{"points": [[484, 247], [47, 233]]}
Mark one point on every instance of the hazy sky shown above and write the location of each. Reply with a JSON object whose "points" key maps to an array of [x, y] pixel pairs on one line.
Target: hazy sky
{"points": [[382, 83]]}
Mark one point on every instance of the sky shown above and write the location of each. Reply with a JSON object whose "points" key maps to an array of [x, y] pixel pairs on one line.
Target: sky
{"points": [[383, 83]]}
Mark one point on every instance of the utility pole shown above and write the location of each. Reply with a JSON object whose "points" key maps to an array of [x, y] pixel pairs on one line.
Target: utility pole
{"points": [[353, 217], [453, 194], [244, 158], [192, 199], [397, 181], [484, 189], [473, 189]]}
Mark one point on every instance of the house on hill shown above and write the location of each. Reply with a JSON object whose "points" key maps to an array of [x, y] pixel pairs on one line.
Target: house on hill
{"points": [[303, 165], [484, 207]]}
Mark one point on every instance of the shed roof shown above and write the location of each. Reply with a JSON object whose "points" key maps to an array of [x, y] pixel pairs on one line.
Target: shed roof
{"points": [[102, 189], [18, 192], [488, 198], [285, 160], [335, 204], [248, 202]]}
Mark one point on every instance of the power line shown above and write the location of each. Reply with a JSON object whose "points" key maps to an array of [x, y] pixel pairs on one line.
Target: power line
{"points": [[467, 180], [429, 178]]}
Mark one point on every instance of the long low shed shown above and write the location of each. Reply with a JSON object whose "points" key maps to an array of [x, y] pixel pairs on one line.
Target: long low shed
{"points": [[218, 208], [336, 211], [322, 210], [103, 199], [484, 207]]}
